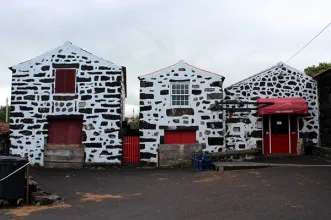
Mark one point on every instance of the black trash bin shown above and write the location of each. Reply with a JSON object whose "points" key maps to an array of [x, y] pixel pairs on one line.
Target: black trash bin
{"points": [[13, 187]]}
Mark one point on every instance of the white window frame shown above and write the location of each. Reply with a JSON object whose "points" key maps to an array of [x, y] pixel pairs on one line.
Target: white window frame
{"points": [[186, 94]]}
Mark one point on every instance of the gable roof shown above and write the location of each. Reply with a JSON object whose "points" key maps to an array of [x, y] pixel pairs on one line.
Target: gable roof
{"points": [[64, 48], [180, 64], [278, 65]]}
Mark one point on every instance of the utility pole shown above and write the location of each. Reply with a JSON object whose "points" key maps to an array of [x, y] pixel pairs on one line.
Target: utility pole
{"points": [[133, 113], [7, 109]]}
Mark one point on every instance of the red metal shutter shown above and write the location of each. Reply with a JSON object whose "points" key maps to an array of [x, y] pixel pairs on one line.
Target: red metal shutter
{"points": [[188, 137], [172, 137], [60, 78], [70, 81]]}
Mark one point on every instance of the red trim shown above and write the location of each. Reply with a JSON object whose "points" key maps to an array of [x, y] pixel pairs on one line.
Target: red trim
{"points": [[284, 106]]}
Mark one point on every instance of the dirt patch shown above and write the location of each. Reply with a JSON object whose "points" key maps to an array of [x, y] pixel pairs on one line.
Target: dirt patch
{"points": [[212, 177], [162, 179], [255, 172], [27, 210], [100, 198]]}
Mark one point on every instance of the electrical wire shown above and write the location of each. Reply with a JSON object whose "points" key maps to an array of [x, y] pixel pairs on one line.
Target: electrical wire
{"points": [[309, 42]]}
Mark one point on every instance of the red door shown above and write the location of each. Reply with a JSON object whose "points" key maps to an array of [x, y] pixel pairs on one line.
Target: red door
{"points": [[180, 137], [65, 131], [280, 134], [131, 150]]}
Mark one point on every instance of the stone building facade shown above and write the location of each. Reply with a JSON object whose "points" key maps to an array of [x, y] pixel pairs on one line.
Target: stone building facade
{"points": [[176, 98], [245, 129], [97, 97]]}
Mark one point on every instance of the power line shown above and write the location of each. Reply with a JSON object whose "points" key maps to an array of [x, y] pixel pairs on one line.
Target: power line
{"points": [[308, 42]]}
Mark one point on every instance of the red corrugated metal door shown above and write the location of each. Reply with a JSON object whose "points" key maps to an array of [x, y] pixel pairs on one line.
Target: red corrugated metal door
{"points": [[179, 137], [65, 132], [131, 150]]}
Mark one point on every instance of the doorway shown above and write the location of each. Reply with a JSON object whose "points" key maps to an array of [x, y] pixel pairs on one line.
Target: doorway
{"points": [[280, 134]]}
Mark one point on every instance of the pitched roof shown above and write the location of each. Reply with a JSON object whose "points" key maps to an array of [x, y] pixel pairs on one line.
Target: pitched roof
{"points": [[66, 47], [279, 64], [180, 64]]}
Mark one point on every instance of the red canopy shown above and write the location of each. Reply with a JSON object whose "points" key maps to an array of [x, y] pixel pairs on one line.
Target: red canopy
{"points": [[284, 106]]}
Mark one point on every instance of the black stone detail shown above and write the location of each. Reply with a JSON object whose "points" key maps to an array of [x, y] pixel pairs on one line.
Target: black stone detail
{"points": [[45, 68], [105, 78], [179, 111], [92, 116], [104, 123], [146, 125], [111, 90], [29, 88], [196, 92], [161, 139], [86, 110], [111, 117], [216, 84], [115, 96], [83, 79], [179, 128], [179, 80], [100, 110], [93, 145], [47, 80], [113, 84], [19, 92], [156, 115], [158, 102], [104, 68], [205, 117], [142, 146], [99, 90], [39, 75], [25, 108], [86, 97], [25, 132], [45, 97], [164, 92], [214, 96], [65, 98], [16, 127], [256, 134], [27, 121], [16, 114], [43, 110], [146, 96], [65, 65], [86, 67], [111, 105], [144, 84], [215, 125], [34, 127], [215, 141], [45, 88], [259, 144], [142, 140], [146, 155], [19, 84], [20, 76], [145, 108]]}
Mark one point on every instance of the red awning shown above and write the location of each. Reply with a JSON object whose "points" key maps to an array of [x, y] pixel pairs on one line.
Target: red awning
{"points": [[284, 106]]}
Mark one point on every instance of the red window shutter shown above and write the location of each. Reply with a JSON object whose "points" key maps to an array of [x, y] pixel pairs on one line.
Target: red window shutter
{"points": [[70, 81], [180, 137], [65, 81], [60, 79]]}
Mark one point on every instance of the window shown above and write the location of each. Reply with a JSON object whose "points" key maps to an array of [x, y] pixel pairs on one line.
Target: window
{"points": [[65, 81], [236, 130], [179, 94], [180, 137]]}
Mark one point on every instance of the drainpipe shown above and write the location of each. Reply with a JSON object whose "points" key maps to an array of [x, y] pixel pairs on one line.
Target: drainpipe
{"points": [[7, 109]]}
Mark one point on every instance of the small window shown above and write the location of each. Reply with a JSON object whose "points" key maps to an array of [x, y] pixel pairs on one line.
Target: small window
{"points": [[65, 81], [180, 94], [236, 129]]}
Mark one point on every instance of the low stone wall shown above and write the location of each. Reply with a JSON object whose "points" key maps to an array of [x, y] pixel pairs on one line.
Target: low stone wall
{"points": [[177, 154]]}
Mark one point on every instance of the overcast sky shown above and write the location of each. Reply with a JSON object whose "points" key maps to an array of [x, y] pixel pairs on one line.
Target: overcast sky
{"points": [[235, 38]]}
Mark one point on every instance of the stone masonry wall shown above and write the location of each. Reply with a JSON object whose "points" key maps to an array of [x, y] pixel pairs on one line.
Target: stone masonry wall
{"points": [[99, 98], [157, 114], [279, 81]]}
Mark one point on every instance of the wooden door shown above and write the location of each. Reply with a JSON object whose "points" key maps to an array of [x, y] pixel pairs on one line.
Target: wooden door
{"points": [[65, 131]]}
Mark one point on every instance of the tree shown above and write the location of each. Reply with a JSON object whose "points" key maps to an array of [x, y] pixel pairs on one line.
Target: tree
{"points": [[2, 113], [314, 70]]}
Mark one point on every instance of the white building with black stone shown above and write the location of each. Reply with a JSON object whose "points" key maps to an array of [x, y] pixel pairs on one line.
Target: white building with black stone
{"points": [[67, 106], [277, 128], [173, 109]]}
